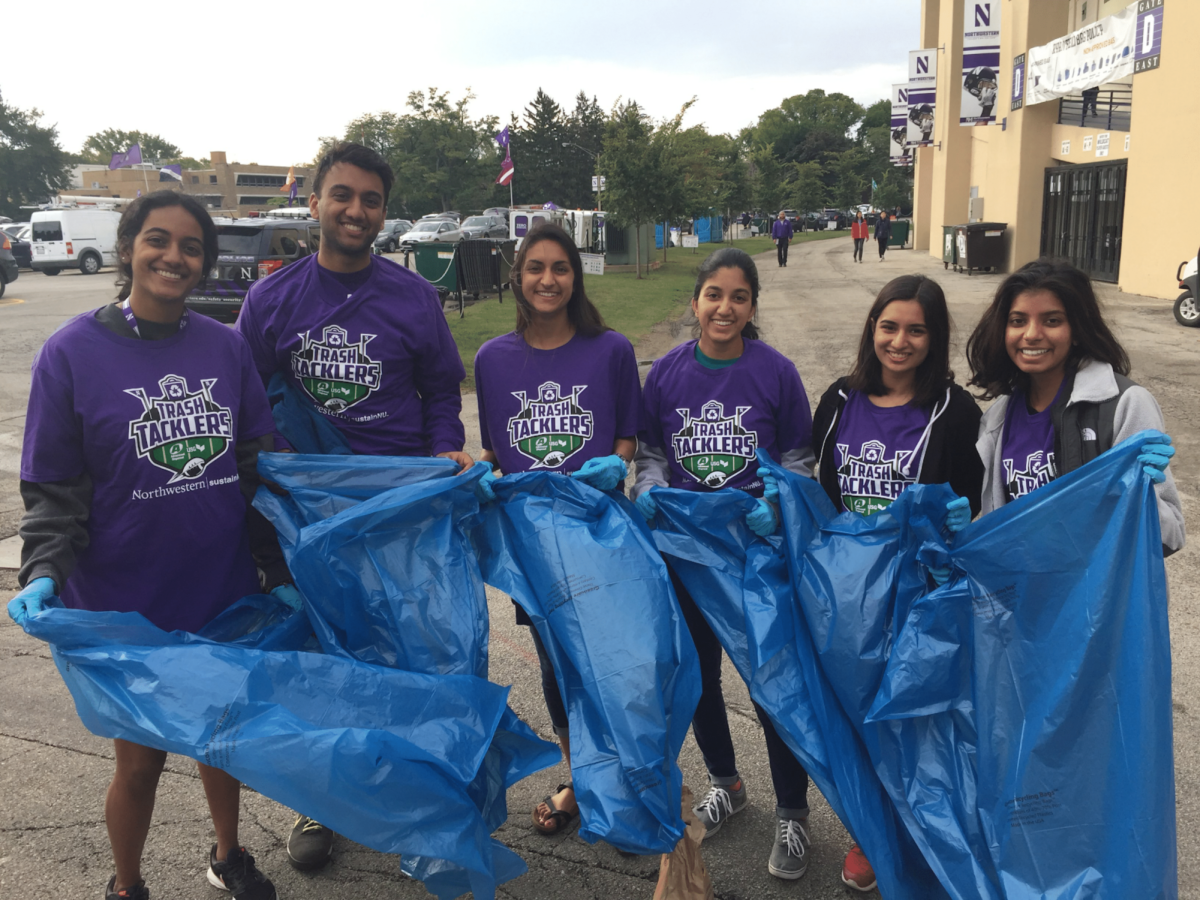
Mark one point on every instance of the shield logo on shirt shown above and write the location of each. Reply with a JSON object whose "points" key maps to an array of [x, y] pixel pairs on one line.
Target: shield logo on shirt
{"points": [[550, 428], [335, 371], [181, 431], [713, 447]]}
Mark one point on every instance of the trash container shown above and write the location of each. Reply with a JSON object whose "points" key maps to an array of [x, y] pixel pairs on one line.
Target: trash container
{"points": [[436, 264], [900, 229], [980, 245], [949, 247]]}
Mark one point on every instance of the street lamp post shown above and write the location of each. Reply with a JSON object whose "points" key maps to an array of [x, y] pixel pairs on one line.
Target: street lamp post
{"points": [[596, 158]]}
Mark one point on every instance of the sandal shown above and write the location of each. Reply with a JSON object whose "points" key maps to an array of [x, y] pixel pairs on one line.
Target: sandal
{"points": [[559, 819]]}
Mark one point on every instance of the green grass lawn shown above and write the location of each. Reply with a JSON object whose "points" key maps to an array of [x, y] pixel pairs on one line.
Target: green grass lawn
{"points": [[630, 305]]}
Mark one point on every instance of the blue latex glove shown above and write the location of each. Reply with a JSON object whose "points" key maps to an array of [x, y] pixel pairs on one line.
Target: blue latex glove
{"points": [[940, 574], [770, 485], [602, 472], [483, 487], [289, 595], [958, 514], [762, 520], [32, 600], [1154, 458], [646, 505]]}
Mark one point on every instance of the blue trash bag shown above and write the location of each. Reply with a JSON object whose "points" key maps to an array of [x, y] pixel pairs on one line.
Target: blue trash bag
{"points": [[742, 586], [305, 429], [380, 755], [598, 593], [1063, 657], [380, 549]]}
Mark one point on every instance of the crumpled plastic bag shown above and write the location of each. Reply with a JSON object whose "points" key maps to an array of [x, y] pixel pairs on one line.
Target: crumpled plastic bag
{"points": [[598, 593], [380, 549], [381, 755], [303, 428]]}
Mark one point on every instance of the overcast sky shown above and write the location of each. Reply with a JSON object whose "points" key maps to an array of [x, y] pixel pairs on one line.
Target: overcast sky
{"points": [[264, 86]]}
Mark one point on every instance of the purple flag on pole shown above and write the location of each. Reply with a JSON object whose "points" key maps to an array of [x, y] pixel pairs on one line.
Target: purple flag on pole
{"points": [[173, 172], [131, 157], [502, 138], [292, 193]]}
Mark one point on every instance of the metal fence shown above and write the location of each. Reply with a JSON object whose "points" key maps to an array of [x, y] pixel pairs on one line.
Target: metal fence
{"points": [[1108, 108]]}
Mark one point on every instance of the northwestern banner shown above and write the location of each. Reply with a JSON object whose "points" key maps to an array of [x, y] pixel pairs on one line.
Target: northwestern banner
{"points": [[1094, 55], [981, 62], [900, 152], [922, 96]]}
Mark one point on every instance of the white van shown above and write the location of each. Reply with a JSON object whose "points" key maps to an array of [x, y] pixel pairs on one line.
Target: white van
{"points": [[523, 219], [84, 239]]}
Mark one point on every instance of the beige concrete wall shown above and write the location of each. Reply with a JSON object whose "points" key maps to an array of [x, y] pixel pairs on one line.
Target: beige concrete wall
{"points": [[1078, 139], [923, 162], [1162, 195]]}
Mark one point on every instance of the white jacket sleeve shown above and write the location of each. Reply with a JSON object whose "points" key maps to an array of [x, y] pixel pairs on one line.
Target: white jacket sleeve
{"points": [[1137, 410]]}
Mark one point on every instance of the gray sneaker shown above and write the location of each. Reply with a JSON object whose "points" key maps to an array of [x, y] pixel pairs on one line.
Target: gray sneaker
{"points": [[721, 803], [789, 856]]}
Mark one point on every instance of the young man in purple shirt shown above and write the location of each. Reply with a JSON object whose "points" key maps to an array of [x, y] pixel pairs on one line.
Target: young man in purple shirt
{"points": [[364, 341], [781, 234]]}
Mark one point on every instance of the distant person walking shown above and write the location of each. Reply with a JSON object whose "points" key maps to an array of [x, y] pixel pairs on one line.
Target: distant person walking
{"points": [[781, 234], [1090, 97], [860, 231], [883, 233]]}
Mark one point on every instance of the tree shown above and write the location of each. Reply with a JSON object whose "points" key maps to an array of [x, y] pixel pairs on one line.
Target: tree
{"points": [[766, 180], [585, 131], [538, 153], [632, 165], [807, 189], [895, 188], [100, 147], [33, 167]]}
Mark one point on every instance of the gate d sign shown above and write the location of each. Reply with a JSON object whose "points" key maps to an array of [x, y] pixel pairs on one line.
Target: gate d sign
{"points": [[1148, 39]]}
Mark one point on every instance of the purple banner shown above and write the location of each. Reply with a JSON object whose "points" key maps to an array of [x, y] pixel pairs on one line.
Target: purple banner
{"points": [[981, 62], [131, 157], [1148, 40]]}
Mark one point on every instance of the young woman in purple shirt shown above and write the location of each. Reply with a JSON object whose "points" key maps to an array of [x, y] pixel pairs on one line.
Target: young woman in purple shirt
{"points": [[708, 405], [140, 452], [899, 419], [559, 393], [1060, 381]]}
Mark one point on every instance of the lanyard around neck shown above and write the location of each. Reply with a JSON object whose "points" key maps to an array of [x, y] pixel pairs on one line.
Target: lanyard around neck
{"points": [[132, 319]]}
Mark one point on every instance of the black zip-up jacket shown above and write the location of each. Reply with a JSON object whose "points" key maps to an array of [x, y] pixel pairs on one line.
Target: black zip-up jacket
{"points": [[947, 457]]}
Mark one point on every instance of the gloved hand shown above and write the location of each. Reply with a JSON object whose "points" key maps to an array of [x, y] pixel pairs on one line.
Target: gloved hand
{"points": [[762, 520], [483, 487], [602, 472], [958, 514], [646, 505], [32, 600], [289, 595], [770, 485], [1154, 458], [940, 574]]}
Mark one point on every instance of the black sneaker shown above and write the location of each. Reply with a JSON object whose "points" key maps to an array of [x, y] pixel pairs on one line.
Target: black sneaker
{"points": [[238, 875], [137, 892], [310, 845], [721, 803], [789, 856]]}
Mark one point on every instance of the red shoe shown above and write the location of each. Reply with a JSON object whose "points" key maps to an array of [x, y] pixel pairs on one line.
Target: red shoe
{"points": [[857, 872]]}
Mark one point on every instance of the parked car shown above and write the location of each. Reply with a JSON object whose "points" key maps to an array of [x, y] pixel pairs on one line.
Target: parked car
{"points": [[83, 239], [389, 237], [793, 216], [485, 227], [432, 230], [501, 211], [18, 236], [1188, 275], [8, 265], [449, 215], [249, 250]]}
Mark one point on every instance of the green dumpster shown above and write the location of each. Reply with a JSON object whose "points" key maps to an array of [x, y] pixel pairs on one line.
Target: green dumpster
{"points": [[900, 228], [949, 247], [435, 263]]}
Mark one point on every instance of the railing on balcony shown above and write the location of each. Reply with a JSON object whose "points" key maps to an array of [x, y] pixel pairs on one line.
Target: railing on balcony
{"points": [[1109, 108]]}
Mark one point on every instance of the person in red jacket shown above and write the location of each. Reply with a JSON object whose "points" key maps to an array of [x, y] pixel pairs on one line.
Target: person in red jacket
{"points": [[860, 231]]}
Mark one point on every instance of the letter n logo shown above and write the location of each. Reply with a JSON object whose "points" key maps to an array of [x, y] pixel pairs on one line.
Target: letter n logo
{"points": [[922, 65], [902, 96], [983, 14]]}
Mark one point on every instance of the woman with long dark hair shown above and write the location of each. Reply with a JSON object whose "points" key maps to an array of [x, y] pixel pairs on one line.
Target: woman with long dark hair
{"points": [[1059, 376], [125, 514], [729, 381], [560, 393], [896, 420]]}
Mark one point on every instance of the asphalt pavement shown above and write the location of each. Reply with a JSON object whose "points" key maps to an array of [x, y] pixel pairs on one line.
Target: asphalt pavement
{"points": [[53, 773]]}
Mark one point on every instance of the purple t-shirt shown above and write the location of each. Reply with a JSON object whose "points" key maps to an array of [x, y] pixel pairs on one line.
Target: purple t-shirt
{"points": [[556, 409], [154, 423], [1027, 450], [711, 422], [378, 361], [877, 452]]}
